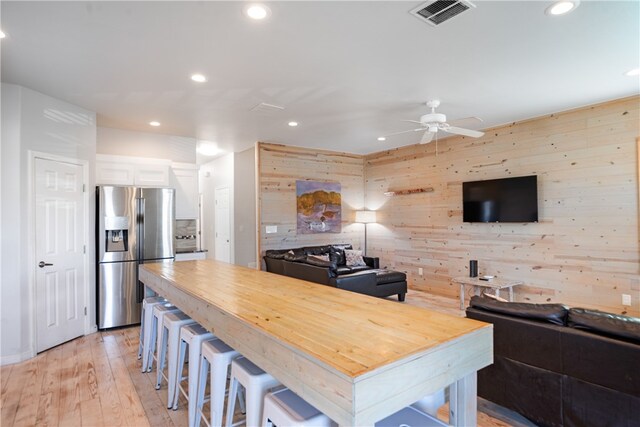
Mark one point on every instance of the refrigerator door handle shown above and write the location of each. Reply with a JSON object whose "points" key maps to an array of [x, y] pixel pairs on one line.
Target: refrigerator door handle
{"points": [[140, 223]]}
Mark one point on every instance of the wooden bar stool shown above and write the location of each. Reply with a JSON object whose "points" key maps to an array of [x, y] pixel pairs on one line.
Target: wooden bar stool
{"points": [[285, 408], [169, 341], [217, 355], [157, 316], [410, 417], [256, 384], [192, 336], [146, 320]]}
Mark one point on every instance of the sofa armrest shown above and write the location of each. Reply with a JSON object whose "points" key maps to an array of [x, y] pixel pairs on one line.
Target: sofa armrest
{"points": [[373, 262], [362, 282], [311, 273]]}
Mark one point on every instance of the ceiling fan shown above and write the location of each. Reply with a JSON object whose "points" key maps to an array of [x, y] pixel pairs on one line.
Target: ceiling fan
{"points": [[433, 122]]}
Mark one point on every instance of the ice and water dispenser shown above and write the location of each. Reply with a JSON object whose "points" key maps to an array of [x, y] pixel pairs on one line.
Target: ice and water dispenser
{"points": [[117, 233]]}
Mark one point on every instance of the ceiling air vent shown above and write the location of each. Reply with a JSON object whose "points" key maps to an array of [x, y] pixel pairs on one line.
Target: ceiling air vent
{"points": [[439, 11], [263, 107]]}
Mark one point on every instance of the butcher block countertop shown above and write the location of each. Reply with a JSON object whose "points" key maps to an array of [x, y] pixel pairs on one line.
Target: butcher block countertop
{"points": [[293, 329]]}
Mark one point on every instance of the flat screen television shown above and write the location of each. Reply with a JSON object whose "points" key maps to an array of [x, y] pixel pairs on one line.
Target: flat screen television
{"points": [[501, 200]]}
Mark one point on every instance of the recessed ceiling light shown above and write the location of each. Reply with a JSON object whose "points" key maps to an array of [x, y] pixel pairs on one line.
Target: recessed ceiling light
{"points": [[2, 34], [198, 78], [633, 73], [293, 124], [154, 123], [208, 148], [562, 7], [382, 138], [257, 11]]}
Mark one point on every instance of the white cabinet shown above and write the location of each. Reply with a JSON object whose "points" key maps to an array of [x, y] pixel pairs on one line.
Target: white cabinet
{"points": [[111, 173], [123, 170], [185, 181], [151, 175]]}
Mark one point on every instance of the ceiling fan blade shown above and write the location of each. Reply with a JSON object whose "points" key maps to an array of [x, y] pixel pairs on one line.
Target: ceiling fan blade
{"points": [[404, 131], [465, 132], [466, 121], [411, 121], [427, 137]]}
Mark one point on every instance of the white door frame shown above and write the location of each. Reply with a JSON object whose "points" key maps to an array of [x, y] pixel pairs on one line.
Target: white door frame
{"points": [[229, 221], [31, 241]]}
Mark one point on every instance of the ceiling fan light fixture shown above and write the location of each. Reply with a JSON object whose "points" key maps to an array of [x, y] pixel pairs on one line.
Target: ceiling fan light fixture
{"points": [[433, 128], [561, 7]]}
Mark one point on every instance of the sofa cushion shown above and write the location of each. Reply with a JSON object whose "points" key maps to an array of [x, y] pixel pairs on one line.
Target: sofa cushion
{"points": [[316, 250], [317, 261], [295, 255], [613, 325], [389, 276], [275, 253], [551, 313], [337, 254], [345, 269]]}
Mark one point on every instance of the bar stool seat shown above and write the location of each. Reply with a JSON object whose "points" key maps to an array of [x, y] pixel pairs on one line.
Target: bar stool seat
{"points": [[431, 403], [157, 316], [410, 417], [217, 355], [192, 336], [146, 320], [169, 342], [256, 384], [285, 408]]}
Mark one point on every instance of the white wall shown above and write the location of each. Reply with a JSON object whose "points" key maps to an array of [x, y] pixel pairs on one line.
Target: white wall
{"points": [[11, 300], [32, 121], [142, 144], [245, 207], [217, 173]]}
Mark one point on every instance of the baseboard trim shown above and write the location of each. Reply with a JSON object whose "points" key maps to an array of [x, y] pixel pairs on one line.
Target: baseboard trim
{"points": [[16, 358]]}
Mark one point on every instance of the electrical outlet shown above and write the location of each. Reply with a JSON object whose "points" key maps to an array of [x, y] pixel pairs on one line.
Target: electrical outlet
{"points": [[626, 299], [420, 271], [271, 229]]}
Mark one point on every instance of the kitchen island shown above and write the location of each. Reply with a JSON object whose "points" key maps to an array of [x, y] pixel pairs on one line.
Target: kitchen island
{"points": [[354, 357]]}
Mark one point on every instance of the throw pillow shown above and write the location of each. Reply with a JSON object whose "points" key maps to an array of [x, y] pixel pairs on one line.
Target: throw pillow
{"points": [[354, 258]]}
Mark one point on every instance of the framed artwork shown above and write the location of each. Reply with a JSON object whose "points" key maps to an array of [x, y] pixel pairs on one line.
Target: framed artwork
{"points": [[319, 207]]}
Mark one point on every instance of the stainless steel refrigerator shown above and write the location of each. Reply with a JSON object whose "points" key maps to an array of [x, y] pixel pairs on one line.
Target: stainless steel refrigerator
{"points": [[133, 226]]}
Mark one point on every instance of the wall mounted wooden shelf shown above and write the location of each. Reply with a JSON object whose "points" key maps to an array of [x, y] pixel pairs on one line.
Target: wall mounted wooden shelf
{"points": [[405, 192]]}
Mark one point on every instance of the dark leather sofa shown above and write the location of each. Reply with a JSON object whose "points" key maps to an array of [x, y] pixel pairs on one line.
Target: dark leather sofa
{"points": [[369, 279], [562, 367]]}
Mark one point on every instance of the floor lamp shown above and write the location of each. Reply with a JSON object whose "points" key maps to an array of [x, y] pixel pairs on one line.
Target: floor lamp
{"points": [[365, 217]]}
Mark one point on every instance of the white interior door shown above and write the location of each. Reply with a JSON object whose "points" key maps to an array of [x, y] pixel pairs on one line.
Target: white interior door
{"points": [[59, 249], [222, 225]]}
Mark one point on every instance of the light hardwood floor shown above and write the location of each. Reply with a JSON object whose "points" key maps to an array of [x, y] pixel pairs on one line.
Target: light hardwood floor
{"points": [[96, 381]]}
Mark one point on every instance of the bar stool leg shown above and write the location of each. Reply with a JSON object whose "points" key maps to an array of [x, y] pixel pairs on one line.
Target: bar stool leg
{"points": [[202, 385], [218, 385], [231, 402], [173, 399], [162, 353], [173, 367]]}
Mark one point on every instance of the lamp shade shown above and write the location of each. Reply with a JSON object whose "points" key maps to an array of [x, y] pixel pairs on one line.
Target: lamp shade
{"points": [[365, 217]]}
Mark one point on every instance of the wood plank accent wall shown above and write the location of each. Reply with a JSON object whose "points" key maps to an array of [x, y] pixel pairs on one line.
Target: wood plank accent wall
{"points": [[279, 167], [585, 249]]}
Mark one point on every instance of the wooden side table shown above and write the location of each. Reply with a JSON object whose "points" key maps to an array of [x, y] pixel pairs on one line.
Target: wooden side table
{"points": [[494, 283]]}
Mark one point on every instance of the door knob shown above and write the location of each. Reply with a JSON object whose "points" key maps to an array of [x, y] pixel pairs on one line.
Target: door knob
{"points": [[43, 264]]}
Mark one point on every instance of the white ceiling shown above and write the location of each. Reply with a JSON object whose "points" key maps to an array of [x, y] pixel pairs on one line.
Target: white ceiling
{"points": [[348, 72]]}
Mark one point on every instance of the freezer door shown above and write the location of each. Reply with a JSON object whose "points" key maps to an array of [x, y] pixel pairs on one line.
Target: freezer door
{"points": [[119, 294], [157, 223], [116, 227]]}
